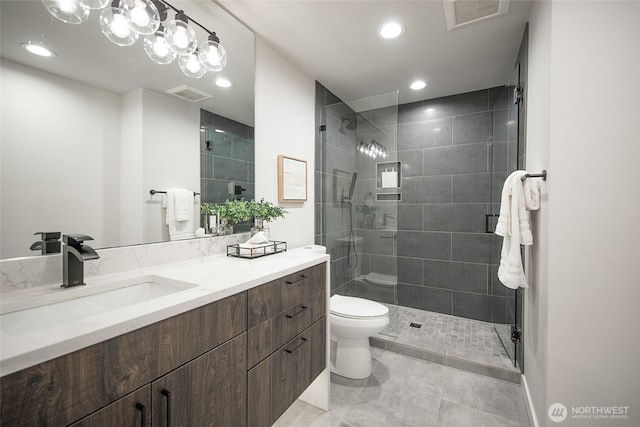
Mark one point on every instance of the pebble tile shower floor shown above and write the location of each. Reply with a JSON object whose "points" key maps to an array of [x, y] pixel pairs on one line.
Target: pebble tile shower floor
{"points": [[442, 332]]}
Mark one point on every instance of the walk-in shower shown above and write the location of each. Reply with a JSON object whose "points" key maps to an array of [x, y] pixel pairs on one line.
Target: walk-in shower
{"points": [[420, 217]]}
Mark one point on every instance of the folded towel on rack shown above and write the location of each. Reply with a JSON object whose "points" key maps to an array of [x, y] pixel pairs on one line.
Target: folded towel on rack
{"points": [[179, 213], [531, 191], [515, 227]]}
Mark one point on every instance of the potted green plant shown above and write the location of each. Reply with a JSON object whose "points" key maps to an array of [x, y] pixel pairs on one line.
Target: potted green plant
{"points": [[262, 212]]}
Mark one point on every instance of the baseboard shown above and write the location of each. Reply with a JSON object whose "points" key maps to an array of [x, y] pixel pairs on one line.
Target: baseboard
{"points": [[530, 408]]}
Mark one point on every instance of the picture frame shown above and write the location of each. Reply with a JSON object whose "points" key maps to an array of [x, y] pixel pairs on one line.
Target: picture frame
{"points": [[292, 179]]}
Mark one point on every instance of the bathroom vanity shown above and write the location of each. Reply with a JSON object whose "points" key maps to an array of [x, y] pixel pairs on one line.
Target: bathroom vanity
{"points": [[230, 354]]}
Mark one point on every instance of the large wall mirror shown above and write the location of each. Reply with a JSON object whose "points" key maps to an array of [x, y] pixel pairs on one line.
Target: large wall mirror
{"points": [[87, 134]]}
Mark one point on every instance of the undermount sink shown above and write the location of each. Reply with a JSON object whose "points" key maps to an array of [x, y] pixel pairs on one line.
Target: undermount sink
{"points": [[78, 304]]}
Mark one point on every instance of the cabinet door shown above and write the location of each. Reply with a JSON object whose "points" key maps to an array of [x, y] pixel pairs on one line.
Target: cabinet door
{"points": [[259, 395], [208, 391], [133, 410]]}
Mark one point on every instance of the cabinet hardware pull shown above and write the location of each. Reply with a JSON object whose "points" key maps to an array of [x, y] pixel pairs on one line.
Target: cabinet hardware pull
{"points": [[297, 313], [167, 394], [304, 276], [143, 411], [291, 350]]}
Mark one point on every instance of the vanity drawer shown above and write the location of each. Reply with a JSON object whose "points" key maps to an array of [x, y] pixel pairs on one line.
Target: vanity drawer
{"points": [[271, 334], [276, 382], [267, 300], [295, 366]]}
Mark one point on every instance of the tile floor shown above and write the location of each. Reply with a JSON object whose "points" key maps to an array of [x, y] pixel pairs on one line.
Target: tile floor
{"points": [[408, 392]]}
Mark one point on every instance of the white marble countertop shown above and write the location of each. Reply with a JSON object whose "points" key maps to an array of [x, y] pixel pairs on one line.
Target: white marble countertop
{"points": [[210, 279]]}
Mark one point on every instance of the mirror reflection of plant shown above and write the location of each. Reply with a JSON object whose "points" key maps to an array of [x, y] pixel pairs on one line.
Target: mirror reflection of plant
{"points": [[208, 209]]}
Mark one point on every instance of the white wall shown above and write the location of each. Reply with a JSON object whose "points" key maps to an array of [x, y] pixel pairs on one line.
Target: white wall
{"points": [[57, 134], [584, 127], [285, 102], [171, 157]]}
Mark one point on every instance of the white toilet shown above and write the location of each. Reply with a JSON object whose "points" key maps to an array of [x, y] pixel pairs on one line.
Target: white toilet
{"points": [[352, 322]]}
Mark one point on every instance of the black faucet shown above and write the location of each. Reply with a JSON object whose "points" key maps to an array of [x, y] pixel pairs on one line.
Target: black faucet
{"points": [[49, 243], [74, 254]]}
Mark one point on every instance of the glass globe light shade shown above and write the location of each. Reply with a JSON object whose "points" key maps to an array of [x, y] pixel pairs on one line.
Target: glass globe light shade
{"points": [[191, 65], [158, 49], [116, 27], [68, 11], [180, 36], [212, 55], [94, 4], [143, 15]]}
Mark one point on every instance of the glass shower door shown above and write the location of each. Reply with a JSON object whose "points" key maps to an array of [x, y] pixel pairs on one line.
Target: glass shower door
{"points": [[359, 199], [506, 303]]}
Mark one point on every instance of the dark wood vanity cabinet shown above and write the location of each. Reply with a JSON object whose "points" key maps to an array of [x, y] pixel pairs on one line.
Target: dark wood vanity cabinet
{"points": [[62, 391], [286, 342], [239, 361]]}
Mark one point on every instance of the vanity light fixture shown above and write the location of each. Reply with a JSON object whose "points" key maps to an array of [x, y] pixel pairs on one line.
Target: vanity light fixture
{"points": [[372, 149], [94, 4], [116, 26], [222, 82], [68, 11], [212, 54], [124, 20], [391, 30], [418, 84], [191, 65], [180, 36], [38, 49], [157, 47], [143, 15]]}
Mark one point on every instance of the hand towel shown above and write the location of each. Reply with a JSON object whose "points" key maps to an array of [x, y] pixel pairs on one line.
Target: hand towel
{"points": [[182, 203], [179, 214], [514, 226], [531, 190]]}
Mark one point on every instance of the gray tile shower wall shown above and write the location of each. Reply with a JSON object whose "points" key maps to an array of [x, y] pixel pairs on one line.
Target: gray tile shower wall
{"points": [[444, 255], [226, 155]]}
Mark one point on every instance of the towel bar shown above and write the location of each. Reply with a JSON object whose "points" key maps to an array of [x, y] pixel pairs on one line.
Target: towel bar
{"points": [[542, 175], [152, 192]]}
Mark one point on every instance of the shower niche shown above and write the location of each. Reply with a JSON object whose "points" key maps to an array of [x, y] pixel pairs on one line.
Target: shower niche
{"points": [[388, 174]]}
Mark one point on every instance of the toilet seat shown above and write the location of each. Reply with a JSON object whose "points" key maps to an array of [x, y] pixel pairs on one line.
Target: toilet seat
{"points": [[357, 308]]}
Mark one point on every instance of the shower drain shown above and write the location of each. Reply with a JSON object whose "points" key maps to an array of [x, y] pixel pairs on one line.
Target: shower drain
{"points": [[415, 325]]}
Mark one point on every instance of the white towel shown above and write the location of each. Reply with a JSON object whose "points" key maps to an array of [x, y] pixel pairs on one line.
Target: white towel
{"points": [[514, 226], [531, 189], [179, 210]]}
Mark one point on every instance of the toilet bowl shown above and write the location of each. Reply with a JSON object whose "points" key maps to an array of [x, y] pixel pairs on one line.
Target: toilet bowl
{"points": [[352, 321]]}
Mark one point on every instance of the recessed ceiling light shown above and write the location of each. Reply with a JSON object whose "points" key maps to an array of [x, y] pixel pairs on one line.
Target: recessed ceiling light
{"points": [[219, 130], [418, 84], [222, 82], [391, 30], [38, 49]]}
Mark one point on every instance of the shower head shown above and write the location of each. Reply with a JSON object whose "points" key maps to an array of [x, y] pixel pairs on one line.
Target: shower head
{"points": [[351, 125], [353, 185]]}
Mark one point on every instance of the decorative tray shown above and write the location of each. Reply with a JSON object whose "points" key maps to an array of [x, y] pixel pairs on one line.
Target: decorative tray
{"points": [[273, 247]]}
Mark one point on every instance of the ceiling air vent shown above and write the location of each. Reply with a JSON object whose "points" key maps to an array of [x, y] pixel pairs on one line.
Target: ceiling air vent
{"points": [[462, 12], [189, 93]]}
